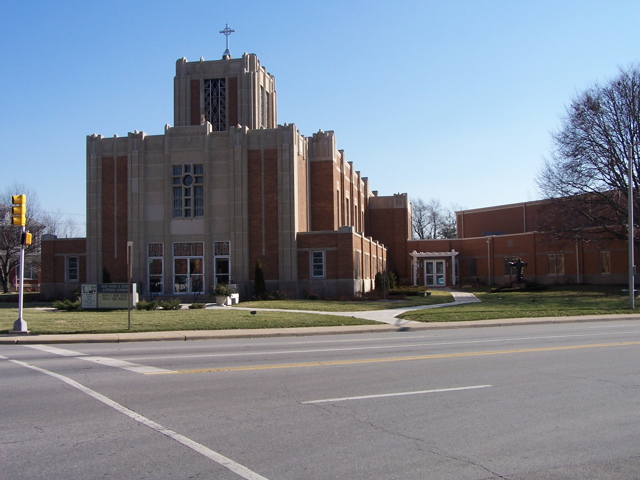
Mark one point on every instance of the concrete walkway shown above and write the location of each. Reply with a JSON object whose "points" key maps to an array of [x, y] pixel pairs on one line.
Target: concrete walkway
{"points": [[388, 316]]}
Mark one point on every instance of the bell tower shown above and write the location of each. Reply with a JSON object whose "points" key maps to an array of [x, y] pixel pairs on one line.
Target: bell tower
{"points": [[226, 92]]}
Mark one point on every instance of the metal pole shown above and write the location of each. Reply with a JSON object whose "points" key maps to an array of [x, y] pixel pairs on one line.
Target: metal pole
{"points": [[129, 282], [630, 234], [20, 326]]}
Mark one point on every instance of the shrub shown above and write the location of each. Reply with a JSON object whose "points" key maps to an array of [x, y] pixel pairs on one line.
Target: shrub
{"points": [[313, 296], [278, 295], [68, 305], [144, 305], [222, 290], [173, 304], [391, 280], [196, 306]]}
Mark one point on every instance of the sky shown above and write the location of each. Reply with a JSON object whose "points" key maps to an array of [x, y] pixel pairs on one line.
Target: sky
{"points": [[450, 100]]}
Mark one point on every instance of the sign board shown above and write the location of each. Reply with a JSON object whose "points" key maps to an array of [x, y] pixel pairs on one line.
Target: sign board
{"points": [[107, 295]]}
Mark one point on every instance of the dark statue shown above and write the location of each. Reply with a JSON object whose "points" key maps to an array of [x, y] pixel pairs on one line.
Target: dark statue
{"points": [[519, 266]]}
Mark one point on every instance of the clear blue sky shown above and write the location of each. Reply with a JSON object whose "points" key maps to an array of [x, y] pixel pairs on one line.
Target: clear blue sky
{"points": [[452, 100]]}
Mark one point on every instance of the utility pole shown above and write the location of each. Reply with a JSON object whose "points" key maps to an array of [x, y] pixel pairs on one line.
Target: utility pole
{"points": [[631, 235]]}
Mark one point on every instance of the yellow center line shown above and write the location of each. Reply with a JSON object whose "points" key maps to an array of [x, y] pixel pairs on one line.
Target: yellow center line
{"points": [[395, 359]]}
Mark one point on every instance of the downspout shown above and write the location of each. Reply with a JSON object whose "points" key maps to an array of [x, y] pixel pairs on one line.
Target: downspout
{"points": [[578, 280], [489, 260]]}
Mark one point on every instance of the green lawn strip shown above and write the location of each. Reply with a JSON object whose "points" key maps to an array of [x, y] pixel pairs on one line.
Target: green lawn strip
{"points": [[551, 302], [60, 322]]}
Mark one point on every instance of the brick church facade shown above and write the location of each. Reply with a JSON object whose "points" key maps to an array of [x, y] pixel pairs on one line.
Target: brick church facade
{"points": [[223, 190], [228, 188]]}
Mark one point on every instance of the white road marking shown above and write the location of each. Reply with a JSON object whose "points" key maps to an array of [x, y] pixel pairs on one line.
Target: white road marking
{"points": [[220, 459], [375, 347], [58, 351], [110, 362], [399, 394]]}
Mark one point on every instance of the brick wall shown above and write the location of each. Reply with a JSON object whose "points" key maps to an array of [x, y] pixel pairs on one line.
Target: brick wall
{"points": [[115, 217], [389, 222], [262, 177], [501, 220], [323, 196]]}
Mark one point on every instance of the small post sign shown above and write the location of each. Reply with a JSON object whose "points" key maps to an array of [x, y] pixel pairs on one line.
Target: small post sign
{"points": [[114, 296]]}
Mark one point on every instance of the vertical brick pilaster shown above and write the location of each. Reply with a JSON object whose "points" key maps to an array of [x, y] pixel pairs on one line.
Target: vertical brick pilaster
{"points": [[115, 218]]}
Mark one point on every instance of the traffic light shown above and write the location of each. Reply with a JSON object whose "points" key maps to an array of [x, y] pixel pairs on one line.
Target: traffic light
{"points": [[27, 239], [19, 210]]}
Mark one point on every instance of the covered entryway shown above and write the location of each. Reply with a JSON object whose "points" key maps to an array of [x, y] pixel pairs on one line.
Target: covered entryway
{"points": [[430, 268]]}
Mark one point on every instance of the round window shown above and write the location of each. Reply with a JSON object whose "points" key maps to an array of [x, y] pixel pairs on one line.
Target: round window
{"points": [[187, 180]]}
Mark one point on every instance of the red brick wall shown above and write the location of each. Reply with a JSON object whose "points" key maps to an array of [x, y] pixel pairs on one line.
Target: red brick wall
{"points": [[390, 227], [340, 255], [323, 196], [115, 217], [262, 174], [53, 257], [502, 220]]}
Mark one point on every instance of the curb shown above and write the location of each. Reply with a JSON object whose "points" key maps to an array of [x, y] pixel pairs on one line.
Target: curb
{"points": [[191, 335]]}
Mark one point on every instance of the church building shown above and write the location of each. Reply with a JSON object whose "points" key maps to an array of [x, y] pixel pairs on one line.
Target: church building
{"points": [[224, 190]]}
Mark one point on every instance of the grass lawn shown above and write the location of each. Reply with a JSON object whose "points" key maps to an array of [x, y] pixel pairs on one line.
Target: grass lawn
{"points": [[554, 301], [41, 321], [549, 302]]}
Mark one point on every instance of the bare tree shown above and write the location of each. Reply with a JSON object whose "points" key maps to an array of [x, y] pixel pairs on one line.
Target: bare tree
{"points": [[431, 220], [449, 226], [586, 178], [11, 236], [56, 223], [419, 218]]}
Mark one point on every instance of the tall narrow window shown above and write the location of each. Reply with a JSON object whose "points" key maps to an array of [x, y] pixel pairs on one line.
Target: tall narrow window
{"points": [[555, 264], [367, 266], [215, 103], [605, 262], [263, 113], [188, 190], [473, 267], [346, 211], [508, 268], [222, 262], [317, 264], [72, 269], [188, 267], [155, 267]]}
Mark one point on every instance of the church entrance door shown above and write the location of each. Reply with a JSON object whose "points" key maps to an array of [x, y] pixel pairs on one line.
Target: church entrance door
{"points": [[434, 273]]}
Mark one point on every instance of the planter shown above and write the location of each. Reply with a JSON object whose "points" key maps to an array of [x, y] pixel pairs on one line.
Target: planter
{"points": [[221, 300]]}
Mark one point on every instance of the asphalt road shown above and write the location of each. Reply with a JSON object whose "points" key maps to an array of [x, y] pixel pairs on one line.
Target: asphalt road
{"points": [[528, 402]]}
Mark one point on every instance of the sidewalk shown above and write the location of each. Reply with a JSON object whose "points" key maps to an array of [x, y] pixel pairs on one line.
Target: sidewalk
{"points": [[387, 319]]}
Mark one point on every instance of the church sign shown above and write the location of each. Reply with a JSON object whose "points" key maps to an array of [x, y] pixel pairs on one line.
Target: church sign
{"points": [[107, 296]]}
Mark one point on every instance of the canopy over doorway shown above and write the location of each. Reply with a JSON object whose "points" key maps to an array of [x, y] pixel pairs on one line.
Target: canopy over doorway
{"points": [[432, 267]]}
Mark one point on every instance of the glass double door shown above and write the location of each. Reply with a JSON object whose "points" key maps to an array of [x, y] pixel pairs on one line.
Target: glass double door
{"points": [[434, 273]]}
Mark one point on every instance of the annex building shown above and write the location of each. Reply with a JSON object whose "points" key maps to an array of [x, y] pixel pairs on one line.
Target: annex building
{"points": [[490, 240], [223, 190]]}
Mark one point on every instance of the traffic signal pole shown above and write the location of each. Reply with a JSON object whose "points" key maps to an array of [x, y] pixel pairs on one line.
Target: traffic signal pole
{"points": [[19, 218], [20, 326]]}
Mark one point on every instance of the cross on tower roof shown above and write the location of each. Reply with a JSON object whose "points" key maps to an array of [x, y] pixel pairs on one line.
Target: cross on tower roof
{"points": [[226, 32]]}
